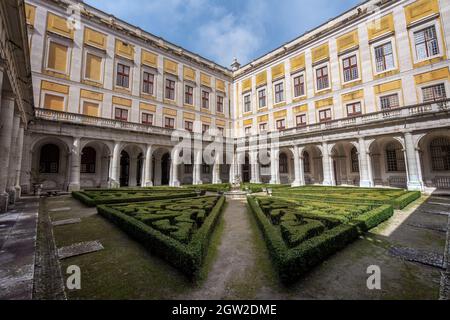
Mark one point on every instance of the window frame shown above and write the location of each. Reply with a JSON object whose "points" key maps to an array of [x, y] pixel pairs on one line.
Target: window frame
{"points": [[275, 93], [83, 100], [349, 56], [320, 111], [130, 76], [266, 128], [382, 43], [220, 101], [146, 113], [150, 72], [248, 130], [259, 91], [315, 69], [281, 120], [63, 42], [353, 104], [249, 96], [190, 127], [430, 85], [45, 92], [122, 109], [186, 94], [206, 98], [437, 27], [96, 53], [166, 88], [170, 119], [295, 76], [302, 124]]}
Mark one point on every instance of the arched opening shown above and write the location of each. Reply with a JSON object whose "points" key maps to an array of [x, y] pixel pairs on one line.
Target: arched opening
{"points": [[434, 153], [312, 164], [165, 169], [306, 162], [395, 158], [346, 164], [283, 163], [124, 169], [440, 154], [88, 160], [49, 159], [354, 159]]}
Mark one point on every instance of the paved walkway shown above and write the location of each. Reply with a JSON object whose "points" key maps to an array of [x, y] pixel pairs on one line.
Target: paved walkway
{"points": [[17, 250]]}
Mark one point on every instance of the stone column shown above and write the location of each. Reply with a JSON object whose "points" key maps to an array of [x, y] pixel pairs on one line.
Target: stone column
{"points": [[327, 162], [232, 172], [254, 165], [216, 170], [6, 125], [198, 158], [115, 166], [19, 162], [75, 164], [365, 179], [413, 173], [10, 187], [133, 172], [148, 172], [298, 167], [173, 180], [274, 166]]}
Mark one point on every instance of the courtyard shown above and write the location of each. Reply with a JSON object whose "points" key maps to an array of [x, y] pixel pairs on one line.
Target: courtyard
{"points": [[409, 247]]}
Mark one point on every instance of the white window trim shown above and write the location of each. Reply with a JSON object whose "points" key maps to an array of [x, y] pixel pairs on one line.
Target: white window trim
{"points": [[173, 78], [394, 53], [223, 103], [155, 80], [65, 43], [248, 94], [388, 93], [57, 94], [190, 84], [437, 27], [430, 84], [295, 75], [169, 117], [281, 81], [99, 103], [126, 63], [210, 95], [325, 64], [281, 119], [147, 112], [257, 94], [358, 65], [113, 116], [96, 53], [265, 130], [249, 128]]}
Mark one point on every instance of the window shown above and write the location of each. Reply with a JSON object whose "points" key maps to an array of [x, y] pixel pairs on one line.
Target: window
{"points": [[395, 158], [90, 109], [384, 57], [281, 124], [247, 103], [57, 57], [206, 169], [283, 163], [148, 83], [220, 104], [426, 43], [170, 89], [93, 69], [325, 115], [169, 123], [353, 109], [263, 127], [434, 93], [49, 159], [389, 101], [121, 114], [205, 99], [147, 118], [354, 159], [440, 154], [188, 95], [322, 78], [188, 168], [189, 126], [248, 130], [300, 120], [205, 127], [279, 92], [88, 157], [54, 102], [350, 66], [123, 76], [306, 162], [299, 86], [262, 98]]}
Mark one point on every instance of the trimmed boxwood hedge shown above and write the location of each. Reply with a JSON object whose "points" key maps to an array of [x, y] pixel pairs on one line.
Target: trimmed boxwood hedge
{"points": [[258, 187], [189, 257], [87, 198], [292, 263], [222, 187]]}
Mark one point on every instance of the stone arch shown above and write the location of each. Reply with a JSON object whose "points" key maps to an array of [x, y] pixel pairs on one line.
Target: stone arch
{"points": [[345, 165], [98, 178], [286, 166], [315, 173], [161, 165]]}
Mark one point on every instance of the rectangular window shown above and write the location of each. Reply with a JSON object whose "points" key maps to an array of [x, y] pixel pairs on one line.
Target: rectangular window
{"points": [[57, 57], [121, 114], [147, 118], [248, 130], [322, 78], [220, 104], [189, 126], [262, 98], [123, 76], [170, 89], [188, 95], [169, 123], [384, 57], [350, 66], [90, 109], [205, 128], [353, 109], [389, 101], [299, 86], [188, 168], [434, 93], [205, 99], [53, 102], [301, 120], [325, 115], [426, 43], [247, 104], [206, 169], [263, 127], [148, 83], [93, 67], [279, 93], [281, 124]]}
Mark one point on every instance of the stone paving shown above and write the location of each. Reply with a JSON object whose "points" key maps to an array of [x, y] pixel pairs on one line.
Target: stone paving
{"points": [[17, 250], [79, 249]]}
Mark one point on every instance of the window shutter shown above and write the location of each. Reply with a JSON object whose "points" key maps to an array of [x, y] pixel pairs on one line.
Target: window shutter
{"points": [[54, 102], [57, 57], [93, 67]]}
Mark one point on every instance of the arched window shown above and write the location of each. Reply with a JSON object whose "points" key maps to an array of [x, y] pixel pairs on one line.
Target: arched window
{"points": [[49, 159], [395, 158], [355, 160], [306, 162], [88, 157], [440, 154], [283, 163]]}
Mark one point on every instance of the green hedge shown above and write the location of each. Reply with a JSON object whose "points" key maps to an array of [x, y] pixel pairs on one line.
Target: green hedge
{"points": [[404, 200], [222, 187], [314, 241], [88, 200], [258, 187], [188, 258]]}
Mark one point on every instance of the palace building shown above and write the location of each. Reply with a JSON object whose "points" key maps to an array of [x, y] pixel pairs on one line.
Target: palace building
{"points": [[361, 100]]}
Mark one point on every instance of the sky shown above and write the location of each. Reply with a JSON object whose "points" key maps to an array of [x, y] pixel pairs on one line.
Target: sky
{"points": [[220, 30]]}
